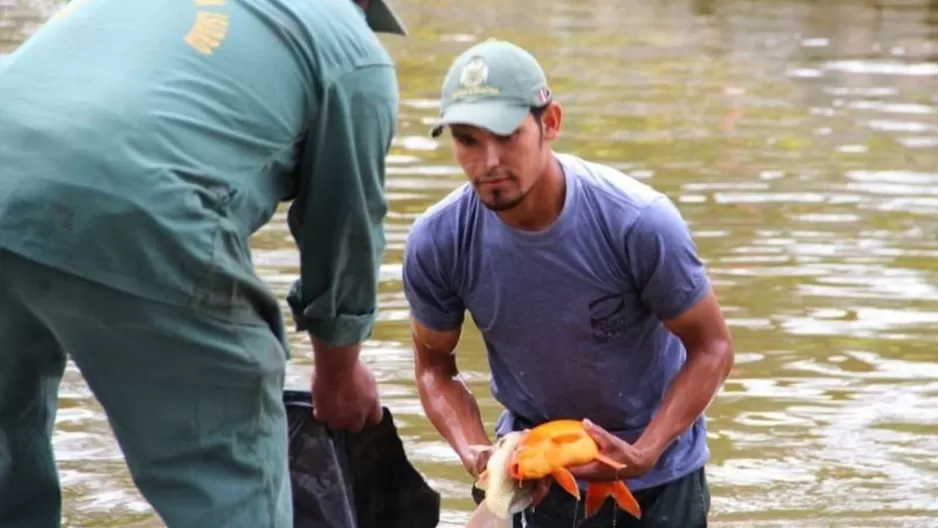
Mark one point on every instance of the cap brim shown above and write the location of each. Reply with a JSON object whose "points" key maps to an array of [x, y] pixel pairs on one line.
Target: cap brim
{"points": [[381, 18], [498, 117]]}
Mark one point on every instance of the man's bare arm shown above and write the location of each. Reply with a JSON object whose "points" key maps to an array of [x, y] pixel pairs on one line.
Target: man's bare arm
{"points": [[710, 358], [450, 406]]}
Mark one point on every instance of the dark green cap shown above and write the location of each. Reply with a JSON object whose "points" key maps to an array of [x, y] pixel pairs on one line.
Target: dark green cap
{"points": [[492, 85]]}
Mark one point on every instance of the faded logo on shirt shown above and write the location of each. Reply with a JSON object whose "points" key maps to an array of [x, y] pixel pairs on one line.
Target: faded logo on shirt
{"points": [[608, 317]]}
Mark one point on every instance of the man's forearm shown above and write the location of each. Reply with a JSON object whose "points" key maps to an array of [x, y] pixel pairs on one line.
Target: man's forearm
{"points": [[334, 360], [452, 410], [688, 396]]}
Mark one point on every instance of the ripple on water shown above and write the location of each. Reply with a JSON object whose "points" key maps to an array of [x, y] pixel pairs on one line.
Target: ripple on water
{"points": [[798, 140]]}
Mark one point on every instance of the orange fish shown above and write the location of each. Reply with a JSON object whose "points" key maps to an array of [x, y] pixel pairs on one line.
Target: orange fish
{"points": [[551, 447]]}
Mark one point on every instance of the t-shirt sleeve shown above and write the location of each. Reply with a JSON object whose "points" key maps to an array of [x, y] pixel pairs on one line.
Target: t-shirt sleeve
{"points": [[663, 261], [427, 276]]}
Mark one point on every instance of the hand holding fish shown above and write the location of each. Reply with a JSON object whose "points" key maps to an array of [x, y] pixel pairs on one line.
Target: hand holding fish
{"points": [[477, 458], [551, 448], [637, 461]]}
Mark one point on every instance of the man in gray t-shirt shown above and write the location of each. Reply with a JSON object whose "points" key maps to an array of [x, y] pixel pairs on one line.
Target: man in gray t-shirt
{"points": [[586, 287]]}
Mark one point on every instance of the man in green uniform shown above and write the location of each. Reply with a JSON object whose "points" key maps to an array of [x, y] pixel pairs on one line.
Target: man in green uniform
{"points": [[142, 144]]}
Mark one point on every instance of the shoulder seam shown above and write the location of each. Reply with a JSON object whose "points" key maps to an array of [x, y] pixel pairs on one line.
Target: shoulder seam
{"points": [[641, 212], [618, 197]]}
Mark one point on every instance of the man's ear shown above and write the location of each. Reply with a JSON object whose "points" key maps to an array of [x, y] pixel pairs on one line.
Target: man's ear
{"points": [[551, 119]]}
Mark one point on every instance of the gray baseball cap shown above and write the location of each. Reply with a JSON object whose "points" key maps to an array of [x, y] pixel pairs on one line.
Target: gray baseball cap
{"points": [[492, 85], [381, 18]]}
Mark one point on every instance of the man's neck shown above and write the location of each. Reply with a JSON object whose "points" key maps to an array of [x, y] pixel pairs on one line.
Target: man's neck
{"points": [[544, 201]]}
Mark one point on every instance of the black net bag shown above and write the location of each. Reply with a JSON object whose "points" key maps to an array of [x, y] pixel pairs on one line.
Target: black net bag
{"points": [[353, 480]]}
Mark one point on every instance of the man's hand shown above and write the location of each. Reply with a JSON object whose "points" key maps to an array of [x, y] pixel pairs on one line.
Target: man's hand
{"points": [[346, 399], [637, 461], [476, 458]]}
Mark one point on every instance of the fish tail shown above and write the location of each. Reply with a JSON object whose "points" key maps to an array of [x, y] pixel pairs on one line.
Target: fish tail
{"points": [[598, 492], [625, 499]]}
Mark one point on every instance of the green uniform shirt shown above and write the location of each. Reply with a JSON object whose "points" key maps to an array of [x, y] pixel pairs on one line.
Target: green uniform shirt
{"points": [[144, 141]]}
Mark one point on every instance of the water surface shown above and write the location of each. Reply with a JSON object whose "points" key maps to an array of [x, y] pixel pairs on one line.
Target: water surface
{"points": [[799, 140]]}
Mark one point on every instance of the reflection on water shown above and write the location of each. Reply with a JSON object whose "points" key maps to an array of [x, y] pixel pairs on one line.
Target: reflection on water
{"points": [[798, 138]]}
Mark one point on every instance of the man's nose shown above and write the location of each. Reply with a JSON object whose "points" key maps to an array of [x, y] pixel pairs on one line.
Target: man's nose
{"points": [[493, 155]]}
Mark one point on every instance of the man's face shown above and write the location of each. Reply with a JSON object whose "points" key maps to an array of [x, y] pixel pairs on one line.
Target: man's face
{"points": [[502, 169]]}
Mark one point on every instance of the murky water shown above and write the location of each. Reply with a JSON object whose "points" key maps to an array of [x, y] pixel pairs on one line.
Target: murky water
{"points": [[800, 140]]}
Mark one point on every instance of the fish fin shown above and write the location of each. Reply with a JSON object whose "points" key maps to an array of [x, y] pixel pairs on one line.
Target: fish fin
{"points": [[482, 481], [566, 481], [568, 438], [608, 461], [625, 499], [596, 494], [514, 470]]}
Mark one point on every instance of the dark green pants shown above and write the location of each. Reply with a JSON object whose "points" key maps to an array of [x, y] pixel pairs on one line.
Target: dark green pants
{"points": [[195, 402], [683, 503]]}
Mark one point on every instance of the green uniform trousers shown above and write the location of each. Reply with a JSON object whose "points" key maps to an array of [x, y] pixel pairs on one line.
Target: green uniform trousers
{"points": [[195, 402]]}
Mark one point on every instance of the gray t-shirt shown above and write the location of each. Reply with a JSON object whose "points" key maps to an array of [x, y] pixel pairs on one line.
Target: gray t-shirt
{"points": [[571, 315]]}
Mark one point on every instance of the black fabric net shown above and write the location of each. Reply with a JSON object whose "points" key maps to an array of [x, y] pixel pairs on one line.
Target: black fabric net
{"points": [[360, 480]]}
